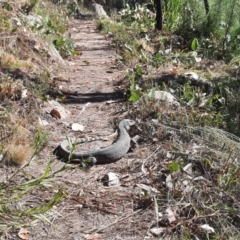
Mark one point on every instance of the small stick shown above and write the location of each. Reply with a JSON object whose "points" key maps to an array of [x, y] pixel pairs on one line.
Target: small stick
{"points": [[118, 220]]}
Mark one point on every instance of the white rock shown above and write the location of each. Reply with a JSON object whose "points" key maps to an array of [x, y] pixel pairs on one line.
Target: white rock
{"points": [[151, 191], [77, 127], [111, 179], [167, 97], [207, 228], [24, 93], [168, 51], [170, 215], [192, 75], [169, 181], [99, 11], [157, 231], [42, 122], [17, 21]]}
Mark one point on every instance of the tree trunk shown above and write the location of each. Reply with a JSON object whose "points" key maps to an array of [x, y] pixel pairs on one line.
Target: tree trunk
{"points": [[158, 6]]}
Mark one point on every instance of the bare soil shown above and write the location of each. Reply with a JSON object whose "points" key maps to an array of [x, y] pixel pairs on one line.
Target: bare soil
{"points": [[172, 184], [93, 97]]}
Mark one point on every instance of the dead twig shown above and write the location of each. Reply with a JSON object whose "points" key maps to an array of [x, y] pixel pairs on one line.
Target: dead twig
{"points": [[118, 220]]}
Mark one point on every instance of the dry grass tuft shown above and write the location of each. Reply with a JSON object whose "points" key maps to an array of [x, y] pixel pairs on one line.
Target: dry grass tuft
{"points": [[195, 168], [19, 150], [10, 90], [145, 45], [19, 154], [12, 62]]}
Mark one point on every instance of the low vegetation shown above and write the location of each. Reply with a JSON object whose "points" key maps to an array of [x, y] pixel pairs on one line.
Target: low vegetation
{"points": [[194, 167], [30, 33]]}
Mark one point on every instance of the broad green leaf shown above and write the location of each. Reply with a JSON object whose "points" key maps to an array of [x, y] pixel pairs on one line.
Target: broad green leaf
{"points": [[194, 44]]}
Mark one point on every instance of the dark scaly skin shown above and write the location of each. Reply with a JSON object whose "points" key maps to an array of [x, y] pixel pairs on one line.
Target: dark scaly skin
{"points": [[105, 155]]}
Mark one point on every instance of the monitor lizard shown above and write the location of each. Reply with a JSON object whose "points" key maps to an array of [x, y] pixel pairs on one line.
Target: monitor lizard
{"points": [[105, 155]]}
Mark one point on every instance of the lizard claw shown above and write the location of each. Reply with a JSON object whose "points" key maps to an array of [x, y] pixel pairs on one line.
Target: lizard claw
{"points": [[93, 160], [88, 162]]}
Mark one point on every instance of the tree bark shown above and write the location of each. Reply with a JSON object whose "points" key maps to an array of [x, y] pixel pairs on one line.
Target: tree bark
{"points": [[206, 5], [158, 6]]}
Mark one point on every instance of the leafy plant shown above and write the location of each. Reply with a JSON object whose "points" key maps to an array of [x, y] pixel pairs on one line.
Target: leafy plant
{"points": [[140, 17], [64, 45], [135, 92], [194, 44], [55, 28]]}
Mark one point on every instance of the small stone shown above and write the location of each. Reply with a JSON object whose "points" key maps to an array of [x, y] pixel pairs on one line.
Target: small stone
{"points": [[77, 127], [42, 122], [164, 96], [111, 179]]}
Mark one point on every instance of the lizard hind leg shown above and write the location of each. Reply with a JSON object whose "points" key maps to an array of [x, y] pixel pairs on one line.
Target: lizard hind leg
{"points": [[90, 161]]}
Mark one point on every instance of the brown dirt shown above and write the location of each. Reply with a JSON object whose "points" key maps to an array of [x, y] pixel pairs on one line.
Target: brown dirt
{"points": [[90, 90], [91, 98]]}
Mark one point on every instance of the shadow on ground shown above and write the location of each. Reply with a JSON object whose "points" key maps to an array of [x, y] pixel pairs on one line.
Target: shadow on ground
{"points": [[72, 98]]}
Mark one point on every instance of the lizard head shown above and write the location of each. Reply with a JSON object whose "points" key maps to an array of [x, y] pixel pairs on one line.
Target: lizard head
{"points": [[126, 123]]}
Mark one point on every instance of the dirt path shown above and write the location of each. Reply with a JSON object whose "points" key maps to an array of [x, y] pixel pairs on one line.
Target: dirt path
{"points": [[91, 100]]}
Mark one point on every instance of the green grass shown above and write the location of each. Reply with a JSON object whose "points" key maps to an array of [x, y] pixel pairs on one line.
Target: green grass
{"points": [[15, 211]]}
